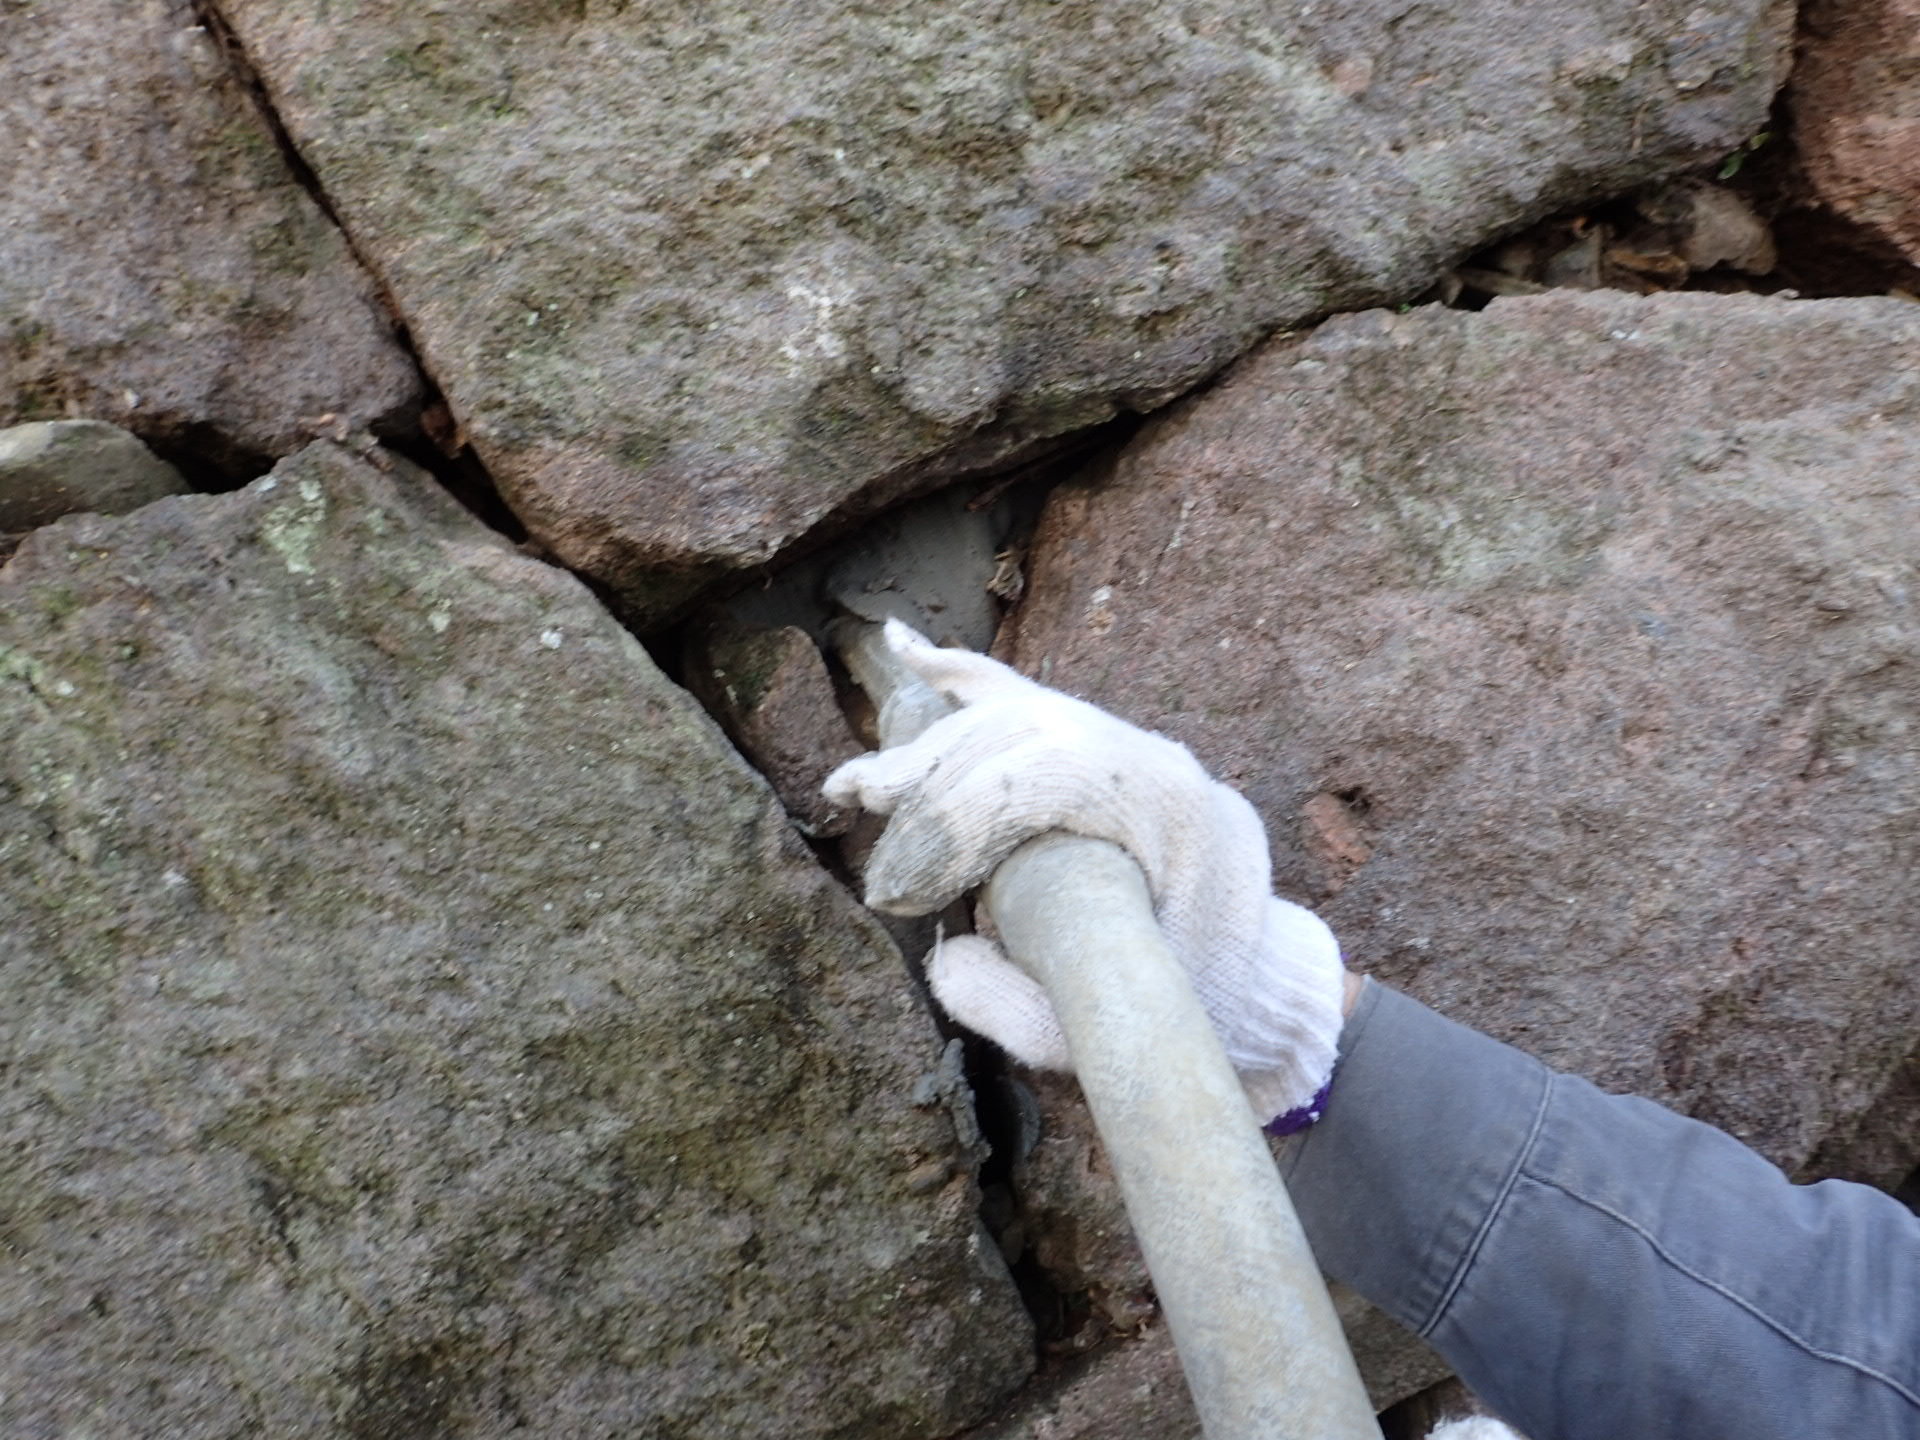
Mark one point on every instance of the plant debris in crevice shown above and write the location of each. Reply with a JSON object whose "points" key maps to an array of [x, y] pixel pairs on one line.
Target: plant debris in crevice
{"points": [[1745, 224]]}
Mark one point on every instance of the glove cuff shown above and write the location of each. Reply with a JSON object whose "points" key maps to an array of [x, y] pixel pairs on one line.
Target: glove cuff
{"points": [[1280, 1016], [1292, 1122]]}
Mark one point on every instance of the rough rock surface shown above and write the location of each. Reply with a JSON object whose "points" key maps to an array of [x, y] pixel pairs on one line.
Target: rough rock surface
{"points": [[1072, 1216], [1136, 1388], [419, 1023], [1570, 651], [697, 277], [50, 468], [770, 689], [159, 265], [1856, 113]]}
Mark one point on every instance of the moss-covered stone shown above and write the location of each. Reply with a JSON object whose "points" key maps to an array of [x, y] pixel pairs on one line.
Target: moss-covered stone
{"points": [[54, 468], [420, 1022]]}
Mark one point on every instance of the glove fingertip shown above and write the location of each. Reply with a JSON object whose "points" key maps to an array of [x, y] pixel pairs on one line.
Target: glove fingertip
{"points": [[905, 904], [842, 786], [978, 986], [921, 862], [902, 637], [904, 889], [877, 780], [1297, 930], [963, 676]]}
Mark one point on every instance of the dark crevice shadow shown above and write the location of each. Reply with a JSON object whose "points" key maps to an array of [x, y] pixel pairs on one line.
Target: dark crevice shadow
{"points": [[1005, 1113], [1817, 254], [431, 439]]}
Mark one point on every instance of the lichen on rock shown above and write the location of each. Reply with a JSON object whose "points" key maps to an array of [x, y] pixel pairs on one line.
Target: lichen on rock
{"points": [[701, 279], [419, 1021]]}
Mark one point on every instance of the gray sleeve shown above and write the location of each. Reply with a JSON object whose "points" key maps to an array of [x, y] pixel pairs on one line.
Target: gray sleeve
{"points": [[1597, 1267]]}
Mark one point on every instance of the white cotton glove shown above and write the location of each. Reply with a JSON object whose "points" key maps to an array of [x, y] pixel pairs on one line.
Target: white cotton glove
{"points": [[1017, 760], [1475, 1427]]}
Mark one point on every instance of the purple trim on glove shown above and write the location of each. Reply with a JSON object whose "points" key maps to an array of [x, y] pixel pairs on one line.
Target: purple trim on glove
{"points": [[1292, 1122]]}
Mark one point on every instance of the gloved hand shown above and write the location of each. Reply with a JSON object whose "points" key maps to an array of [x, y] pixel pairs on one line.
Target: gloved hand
{"points": [[1017, 760]]}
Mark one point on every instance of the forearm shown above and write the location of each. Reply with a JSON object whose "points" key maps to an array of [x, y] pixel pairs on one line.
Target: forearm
{"points": [[1352, 988], [1594, 1265]]}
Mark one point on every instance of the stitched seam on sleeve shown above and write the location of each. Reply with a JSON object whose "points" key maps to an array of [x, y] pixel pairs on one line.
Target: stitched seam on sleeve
{"points": [[1903, 1391], [1474, 1245]]}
